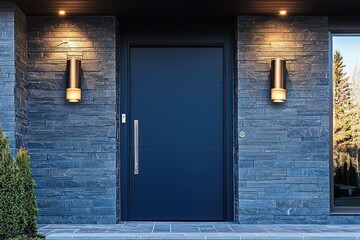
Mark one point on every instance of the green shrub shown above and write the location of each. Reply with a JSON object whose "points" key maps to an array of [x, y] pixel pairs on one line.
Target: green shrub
{"points": [[18, 207], [30, 204], [20, 237], [12, 219], [25, 237]]}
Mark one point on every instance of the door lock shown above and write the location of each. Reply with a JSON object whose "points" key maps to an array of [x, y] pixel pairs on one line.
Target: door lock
{"points": [[242, 134]]}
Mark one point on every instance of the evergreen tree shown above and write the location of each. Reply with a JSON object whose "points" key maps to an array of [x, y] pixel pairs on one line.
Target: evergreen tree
{"points": [[352, 175], [343, 114], [345, 173], [12, 219], [355, 97], [30, 204], [18, 207]]}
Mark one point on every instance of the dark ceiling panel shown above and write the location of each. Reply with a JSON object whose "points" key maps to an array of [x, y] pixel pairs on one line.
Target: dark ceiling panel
{"points": [[201, 11]]}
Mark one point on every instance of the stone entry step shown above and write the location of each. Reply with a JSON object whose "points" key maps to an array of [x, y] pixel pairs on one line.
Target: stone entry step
{"points": [[199, 230]]}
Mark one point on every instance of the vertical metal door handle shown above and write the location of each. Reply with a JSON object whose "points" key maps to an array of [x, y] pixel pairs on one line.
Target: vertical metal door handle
{"points": [[136, 146]]}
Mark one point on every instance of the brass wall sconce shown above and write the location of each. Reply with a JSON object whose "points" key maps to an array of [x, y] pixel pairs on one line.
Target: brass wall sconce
{"points": [[73, 84], [278, 80]]}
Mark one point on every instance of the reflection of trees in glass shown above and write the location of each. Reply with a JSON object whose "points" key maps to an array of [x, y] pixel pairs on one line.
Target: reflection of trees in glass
{"points": [[342, 95], [355, 90], [346, 128]]}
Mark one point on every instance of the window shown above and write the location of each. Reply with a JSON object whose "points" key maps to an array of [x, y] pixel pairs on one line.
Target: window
{"points": [[346, 122]]}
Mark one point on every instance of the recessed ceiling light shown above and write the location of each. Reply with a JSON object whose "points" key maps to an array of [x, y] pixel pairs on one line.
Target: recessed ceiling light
{"points": [[282, 12], [62, 12]]}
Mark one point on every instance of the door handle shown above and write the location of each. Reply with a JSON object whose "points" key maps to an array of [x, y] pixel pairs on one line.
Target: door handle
{"points": [[136, 147]]}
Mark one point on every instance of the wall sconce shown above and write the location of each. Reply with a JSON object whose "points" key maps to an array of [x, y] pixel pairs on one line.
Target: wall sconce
{"points": [[278, 80], [73, 84]]}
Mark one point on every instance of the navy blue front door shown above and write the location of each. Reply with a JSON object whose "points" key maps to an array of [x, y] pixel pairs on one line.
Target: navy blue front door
{"points": [[176, 144], [176, 95]]}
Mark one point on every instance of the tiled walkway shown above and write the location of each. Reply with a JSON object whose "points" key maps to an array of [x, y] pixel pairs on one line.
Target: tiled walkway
{"points": [[206, 230]]}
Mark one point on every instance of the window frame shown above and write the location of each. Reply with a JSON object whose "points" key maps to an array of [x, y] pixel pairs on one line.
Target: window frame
{"points": [[336, 210]]}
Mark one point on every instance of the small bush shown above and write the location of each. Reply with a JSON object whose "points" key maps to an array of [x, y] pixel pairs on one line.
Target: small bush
{"points": [[30, 204], [18, 207], [11, 193], [25, 237]]}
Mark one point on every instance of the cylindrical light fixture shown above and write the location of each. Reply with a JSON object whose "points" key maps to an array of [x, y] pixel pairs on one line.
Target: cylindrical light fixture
{"points": [[73, 84], [278, 80]]}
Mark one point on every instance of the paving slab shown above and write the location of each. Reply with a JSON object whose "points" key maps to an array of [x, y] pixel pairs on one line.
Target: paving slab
{"points": [[199, 230]]}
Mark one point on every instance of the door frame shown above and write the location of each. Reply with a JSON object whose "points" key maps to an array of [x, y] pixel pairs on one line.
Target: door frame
{"points": [[192, 35]]}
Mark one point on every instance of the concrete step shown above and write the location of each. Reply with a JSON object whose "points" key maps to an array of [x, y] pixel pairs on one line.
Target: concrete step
{"points": [[199, 230], [212, 236]]}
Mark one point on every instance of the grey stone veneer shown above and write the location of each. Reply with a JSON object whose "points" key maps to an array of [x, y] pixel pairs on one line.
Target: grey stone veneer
{"points": [[13, 63], [21, 93], [282, 164], [283, 161], [73, 145], [7, 70]]}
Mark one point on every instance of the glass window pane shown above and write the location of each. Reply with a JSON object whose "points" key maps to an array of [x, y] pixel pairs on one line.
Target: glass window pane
{"points": [[346, 120]]}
